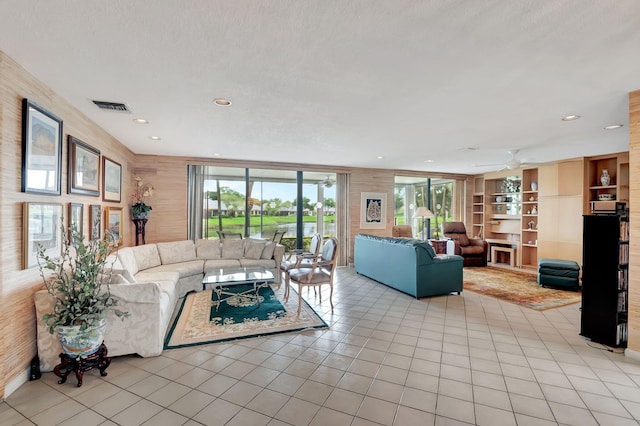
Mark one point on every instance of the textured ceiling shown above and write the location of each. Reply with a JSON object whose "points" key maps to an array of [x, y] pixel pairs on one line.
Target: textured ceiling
{"points": [[341, 82]]}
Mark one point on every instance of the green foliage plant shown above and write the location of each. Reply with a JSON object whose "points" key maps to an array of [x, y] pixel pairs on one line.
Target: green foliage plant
{"points": [[75, 280]]}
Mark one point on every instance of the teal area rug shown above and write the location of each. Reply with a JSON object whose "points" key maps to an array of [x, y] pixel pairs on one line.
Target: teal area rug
{"points": [[198, 322]]}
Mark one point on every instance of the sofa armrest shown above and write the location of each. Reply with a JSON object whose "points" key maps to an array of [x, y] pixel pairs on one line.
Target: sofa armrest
{"points": [[136, 293]]}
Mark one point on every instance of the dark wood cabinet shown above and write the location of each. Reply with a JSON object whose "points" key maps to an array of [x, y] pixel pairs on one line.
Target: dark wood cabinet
{"points": [[605, 279]]}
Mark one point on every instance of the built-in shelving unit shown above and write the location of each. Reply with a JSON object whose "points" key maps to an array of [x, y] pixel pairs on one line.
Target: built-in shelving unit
{"points": [[604, 195], [478, 207], [502, 213], [529, 239]]}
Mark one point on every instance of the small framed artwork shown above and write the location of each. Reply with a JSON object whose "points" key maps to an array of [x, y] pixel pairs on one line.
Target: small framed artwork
{"points": [[42, 228], [84, 168], [113, 223], [95, 220], [111, 180], [373, 210], [41, 150], [76, 217]]}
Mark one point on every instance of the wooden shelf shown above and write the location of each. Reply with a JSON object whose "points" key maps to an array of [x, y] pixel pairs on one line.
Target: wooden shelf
{"points": [[603, 187]]}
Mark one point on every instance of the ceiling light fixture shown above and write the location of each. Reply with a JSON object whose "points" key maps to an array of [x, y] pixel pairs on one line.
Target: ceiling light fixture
{"points": [[570, 117], [222, 102], [379, 157], [155, 138], [613, 126], [428, 161], [140, 121], [216, 154]]}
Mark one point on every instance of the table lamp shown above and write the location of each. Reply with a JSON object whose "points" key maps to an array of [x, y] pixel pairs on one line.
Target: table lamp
{"points": [[423, 213]]}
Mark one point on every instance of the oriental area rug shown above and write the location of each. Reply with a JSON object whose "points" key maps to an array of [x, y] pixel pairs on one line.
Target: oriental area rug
{"points": [[516, 287], [198, 322]]}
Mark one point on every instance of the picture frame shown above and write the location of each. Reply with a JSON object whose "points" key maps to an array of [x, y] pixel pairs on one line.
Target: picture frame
{"points": [[84, 168], [95, 221], [41, 226], [373, 210], [41, 150], [113, 223], [111, 180], [76, 217]]}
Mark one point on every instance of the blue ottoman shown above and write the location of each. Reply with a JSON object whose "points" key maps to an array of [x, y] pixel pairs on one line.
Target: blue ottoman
{"points": [[558, 273]]}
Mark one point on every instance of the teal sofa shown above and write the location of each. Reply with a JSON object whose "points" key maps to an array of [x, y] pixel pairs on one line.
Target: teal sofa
{"points": [[408, 265]]}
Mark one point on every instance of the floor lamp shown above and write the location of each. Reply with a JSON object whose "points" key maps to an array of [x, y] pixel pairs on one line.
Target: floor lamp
{"points": [[424, 213]]}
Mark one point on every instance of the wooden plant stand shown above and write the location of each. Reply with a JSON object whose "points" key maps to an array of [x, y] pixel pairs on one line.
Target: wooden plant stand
{"points": [[80, 365]]}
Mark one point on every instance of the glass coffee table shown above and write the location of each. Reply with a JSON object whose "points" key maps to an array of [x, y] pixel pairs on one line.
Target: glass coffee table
{"points": [[221, 280]]}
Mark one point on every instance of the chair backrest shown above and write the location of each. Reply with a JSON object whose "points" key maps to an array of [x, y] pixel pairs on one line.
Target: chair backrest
{"points": [[456, 231], [314, 245], [277, 236], [232, 235], [329, 250], [403, 231]]}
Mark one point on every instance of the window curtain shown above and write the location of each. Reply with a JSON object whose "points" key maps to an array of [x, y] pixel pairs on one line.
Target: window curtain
{"points": [[343, 184], [195, 191]]}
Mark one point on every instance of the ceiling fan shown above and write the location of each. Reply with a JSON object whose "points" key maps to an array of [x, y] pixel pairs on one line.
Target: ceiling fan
{"points": [[328, 182], [511, 164]]}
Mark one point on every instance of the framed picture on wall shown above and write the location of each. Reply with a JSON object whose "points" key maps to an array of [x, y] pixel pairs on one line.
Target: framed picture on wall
{"points": [[111, 180], [95, 221], [42, 228], [113, 223], [373, 210], [76, 218], [84, 168], [41, 150]]}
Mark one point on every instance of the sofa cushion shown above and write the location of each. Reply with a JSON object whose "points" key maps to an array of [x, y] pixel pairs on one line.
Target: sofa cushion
{"points": [[146, 256], [220, 263], [232, 249], [472, 250], [184, 269], [128, 260], [208, 249], [253, 248], [155, 275], [267, 263], [177, 251], [269, 249], [128, 276]]}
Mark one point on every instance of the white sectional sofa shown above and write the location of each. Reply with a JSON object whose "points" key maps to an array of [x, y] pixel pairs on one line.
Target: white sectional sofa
{"points": [[148, 280]]}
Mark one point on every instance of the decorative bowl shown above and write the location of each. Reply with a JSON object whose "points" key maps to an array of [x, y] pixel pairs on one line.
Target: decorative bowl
{"points": [[606, 197]]}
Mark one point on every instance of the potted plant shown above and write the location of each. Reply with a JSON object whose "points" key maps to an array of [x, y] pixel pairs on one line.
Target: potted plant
{"points": [[140, 210], [76, 280]]}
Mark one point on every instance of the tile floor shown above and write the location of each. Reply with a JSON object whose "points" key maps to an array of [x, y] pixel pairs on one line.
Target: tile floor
{"points": [[387, 359]]}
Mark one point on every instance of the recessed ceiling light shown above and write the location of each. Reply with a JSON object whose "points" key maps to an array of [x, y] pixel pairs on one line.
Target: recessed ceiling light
{"points": [[155, 138], [216, 154], [222, 102], [428, 161], [570, 117], [379, 157], [140, 121], [613, 126]]}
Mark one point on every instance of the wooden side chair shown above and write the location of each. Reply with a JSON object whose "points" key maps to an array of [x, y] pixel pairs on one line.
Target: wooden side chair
{"points": [[320, 272], [300, 258]]}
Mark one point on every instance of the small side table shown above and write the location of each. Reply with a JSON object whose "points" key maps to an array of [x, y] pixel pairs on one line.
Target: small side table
{"points": [[140, 224], [80, 365], [439, 246]]}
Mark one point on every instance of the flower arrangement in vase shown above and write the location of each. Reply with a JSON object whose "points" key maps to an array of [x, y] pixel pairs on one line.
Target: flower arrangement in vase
{"points": [[140, 210]]}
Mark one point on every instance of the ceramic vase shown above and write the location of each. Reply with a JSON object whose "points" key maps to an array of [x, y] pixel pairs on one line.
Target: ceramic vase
{"points": [[534, 186], [76, 342], [605, 179]]}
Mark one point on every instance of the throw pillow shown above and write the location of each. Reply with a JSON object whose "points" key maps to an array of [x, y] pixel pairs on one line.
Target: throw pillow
{"points": [[267, 252], [232, 249], [208, 249], [125, 274], [253, 249]]}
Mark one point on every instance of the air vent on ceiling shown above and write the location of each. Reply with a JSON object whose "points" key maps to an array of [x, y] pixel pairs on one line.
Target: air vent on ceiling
{"points": [[112, 106]]}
